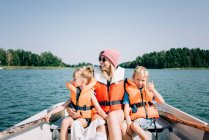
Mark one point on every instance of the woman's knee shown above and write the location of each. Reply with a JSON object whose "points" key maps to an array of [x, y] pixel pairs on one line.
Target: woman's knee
{"points": [[115, 116]]}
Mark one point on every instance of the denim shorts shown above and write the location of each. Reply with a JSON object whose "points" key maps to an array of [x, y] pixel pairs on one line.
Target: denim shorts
{"points": [[144, 123]]}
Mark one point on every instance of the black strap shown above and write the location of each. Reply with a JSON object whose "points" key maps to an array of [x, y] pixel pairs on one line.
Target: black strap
{"points": [[78, 92], [138, 104], [154, 120], [106, 103], [142, 102], [85, 108], [125, 81]]}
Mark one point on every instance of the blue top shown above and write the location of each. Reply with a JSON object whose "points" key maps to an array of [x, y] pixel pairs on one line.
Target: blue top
{"points": [[126, 98]]}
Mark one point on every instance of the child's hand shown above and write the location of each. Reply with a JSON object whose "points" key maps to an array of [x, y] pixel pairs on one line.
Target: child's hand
{"points": [[129, 130], [150, 86], [47, 117], [73, 114]]}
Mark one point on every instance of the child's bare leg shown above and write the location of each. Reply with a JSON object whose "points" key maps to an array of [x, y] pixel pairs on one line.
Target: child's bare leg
{"points": [[114, 120], [66, 122], [139, 131]]}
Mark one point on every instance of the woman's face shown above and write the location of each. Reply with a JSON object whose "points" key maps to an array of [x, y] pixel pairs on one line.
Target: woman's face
{"points": [[104, 64]]}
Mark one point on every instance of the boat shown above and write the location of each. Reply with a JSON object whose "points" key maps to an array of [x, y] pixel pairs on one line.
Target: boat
{"points": [[178, 126], [1, 68]]}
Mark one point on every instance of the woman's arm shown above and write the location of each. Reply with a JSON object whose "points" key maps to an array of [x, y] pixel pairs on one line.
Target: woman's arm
{"points": [[70, 86], [97, 106], [57, 109], [128, 118], [126, 113]]}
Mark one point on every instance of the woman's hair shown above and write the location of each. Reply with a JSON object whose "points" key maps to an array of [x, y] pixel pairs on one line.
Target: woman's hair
{"points": [[112, 56], [87, 73], [141, 71], [109, 75]]}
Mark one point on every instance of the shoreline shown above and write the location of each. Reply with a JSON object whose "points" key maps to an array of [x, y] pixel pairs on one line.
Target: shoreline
{"points": [[62, 67], [191, 68], [32, 67]]}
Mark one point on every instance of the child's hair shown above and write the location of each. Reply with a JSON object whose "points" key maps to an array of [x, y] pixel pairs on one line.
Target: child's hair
{"points": [[141, 70], [76, 71], [87, 72]]}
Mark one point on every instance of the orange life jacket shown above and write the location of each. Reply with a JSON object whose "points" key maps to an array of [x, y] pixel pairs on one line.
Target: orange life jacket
{"points": [[140, 101], [110, 95], [83, 103]]}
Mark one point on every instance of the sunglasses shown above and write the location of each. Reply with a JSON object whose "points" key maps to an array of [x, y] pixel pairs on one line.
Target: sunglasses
{"points": [[103, 59]]}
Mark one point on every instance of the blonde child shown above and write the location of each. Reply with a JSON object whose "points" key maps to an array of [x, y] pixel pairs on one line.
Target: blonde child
{"points": [[82, 100], [138, 107]]}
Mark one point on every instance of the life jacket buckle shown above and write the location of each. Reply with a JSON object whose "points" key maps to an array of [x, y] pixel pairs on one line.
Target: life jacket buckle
{"points": [[84, 107], [134, 109]]}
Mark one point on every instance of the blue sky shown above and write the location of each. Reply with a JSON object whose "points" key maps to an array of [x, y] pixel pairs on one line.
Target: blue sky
{"points": [[77, 30]]}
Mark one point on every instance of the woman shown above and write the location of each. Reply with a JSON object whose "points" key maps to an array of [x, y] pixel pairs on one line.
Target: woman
{"points": [[109, 91]]}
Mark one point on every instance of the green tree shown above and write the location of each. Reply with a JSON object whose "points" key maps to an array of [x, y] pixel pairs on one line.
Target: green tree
{"points": [[3, 57]]}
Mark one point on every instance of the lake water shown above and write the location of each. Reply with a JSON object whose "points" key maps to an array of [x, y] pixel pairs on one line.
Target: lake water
{"points": [[26, 92]]}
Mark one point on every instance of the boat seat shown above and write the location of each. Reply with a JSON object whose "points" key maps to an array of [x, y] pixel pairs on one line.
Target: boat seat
{"points": [[57, 125], [55, 129], [161, 124]]}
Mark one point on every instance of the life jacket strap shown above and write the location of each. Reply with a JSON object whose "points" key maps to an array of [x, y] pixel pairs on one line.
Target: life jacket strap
{"points": [[141, 104], [138, 104], [106, 103], [85, 108]]}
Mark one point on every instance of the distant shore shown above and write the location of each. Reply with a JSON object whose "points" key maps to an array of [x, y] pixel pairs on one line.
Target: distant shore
{"points": [[191, 68], [32, 67], [61, 67]]}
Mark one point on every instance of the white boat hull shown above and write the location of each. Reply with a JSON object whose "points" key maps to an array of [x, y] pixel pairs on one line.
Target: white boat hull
{"points": [[180, 131]]}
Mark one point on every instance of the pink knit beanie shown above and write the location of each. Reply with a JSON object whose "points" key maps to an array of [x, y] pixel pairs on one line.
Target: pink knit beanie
{"points": [[112, 55]]}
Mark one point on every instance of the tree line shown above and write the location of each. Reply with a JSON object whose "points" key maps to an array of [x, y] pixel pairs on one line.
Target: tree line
{"points": [[79, 64], [20, 57], [173, 58]]}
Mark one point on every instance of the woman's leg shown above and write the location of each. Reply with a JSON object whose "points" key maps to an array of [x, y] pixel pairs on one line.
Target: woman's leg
{"points": [[66, 122], [114, 120], [139, 131]]}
